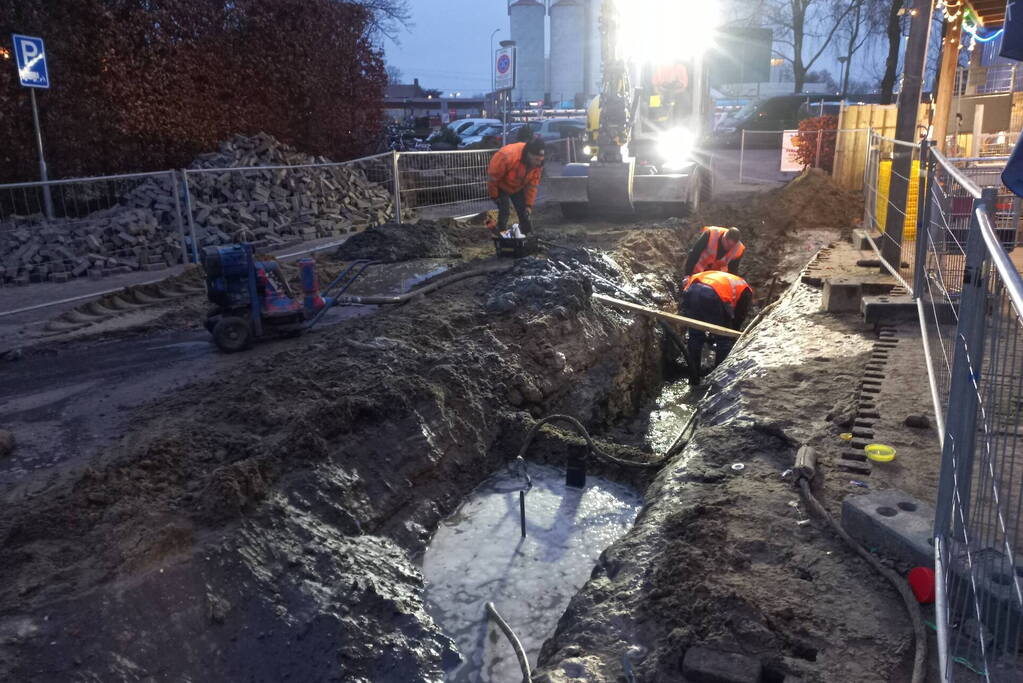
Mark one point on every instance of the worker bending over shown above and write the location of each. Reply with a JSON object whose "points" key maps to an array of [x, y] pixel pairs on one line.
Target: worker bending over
{"points": [[515, 172], [718, 298], [717, 249]]}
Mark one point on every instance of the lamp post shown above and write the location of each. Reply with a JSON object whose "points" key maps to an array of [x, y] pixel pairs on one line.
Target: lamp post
{"points": [[491, 58]]}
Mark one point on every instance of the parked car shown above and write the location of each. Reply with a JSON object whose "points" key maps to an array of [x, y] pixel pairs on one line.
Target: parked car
{"points": [[478, 135], [559, 129], [462, 126]]}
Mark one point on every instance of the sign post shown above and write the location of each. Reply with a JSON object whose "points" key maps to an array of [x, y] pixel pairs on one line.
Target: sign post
{"points": [[504, 79], [30, 56]]}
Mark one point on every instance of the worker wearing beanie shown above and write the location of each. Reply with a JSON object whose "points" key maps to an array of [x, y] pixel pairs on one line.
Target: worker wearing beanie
{"points": [[514, 176]]}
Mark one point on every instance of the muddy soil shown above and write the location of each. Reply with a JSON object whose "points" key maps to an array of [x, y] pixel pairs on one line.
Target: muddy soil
{"points": [[726, 555], [268, 516]]}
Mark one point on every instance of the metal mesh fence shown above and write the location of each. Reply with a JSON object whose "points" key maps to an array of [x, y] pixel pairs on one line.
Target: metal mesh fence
{"points": [[980, 504], [63, 229], [892, 221], [455, 182]]}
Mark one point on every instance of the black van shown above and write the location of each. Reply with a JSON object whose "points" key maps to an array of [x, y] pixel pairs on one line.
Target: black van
{"points": [[763, 120]]}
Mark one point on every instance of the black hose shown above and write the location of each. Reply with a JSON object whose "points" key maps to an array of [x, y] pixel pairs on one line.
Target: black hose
{"points": [[919, 634], [527, 676], [426, 289], [589, 441]]}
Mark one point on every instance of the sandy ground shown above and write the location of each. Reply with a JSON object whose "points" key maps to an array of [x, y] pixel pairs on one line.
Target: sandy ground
{"points": [[266, 508]]}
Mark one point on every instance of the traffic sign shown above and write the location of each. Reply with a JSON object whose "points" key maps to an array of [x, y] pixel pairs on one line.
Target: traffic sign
{"points": [[504, 69], [31, 58]]}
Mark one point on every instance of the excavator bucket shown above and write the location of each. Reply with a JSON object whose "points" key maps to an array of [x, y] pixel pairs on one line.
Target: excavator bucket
{"points": [[609, 188]]}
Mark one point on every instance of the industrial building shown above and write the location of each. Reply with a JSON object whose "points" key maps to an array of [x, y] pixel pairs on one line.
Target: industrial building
{"points": [[571, 73]]}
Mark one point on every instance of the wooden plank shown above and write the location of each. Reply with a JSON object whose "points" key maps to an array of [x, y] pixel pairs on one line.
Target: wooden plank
{"points": [[669, 317]]}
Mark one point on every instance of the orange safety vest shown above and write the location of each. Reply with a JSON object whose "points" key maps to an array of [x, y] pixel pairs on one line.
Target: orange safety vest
{"points": [[508, 173], [709, 258], [728, 287]]}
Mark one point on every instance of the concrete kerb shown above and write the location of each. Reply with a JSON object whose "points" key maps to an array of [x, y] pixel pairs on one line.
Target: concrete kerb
{"points": [[893, 523]]}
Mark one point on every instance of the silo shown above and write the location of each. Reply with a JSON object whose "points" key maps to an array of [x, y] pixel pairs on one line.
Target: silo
{"points": [[568, 39], [591, 49], [528, 30]]}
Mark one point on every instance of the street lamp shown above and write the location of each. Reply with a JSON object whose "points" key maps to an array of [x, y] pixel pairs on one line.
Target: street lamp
{"points": [[493, 82], [844, 73]]}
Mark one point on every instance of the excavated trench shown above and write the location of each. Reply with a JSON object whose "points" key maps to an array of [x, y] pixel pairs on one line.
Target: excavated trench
{"points": [[270, 517]]}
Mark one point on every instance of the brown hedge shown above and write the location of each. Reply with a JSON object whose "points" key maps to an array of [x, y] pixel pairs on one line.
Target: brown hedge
{"points": [[141, 85]]}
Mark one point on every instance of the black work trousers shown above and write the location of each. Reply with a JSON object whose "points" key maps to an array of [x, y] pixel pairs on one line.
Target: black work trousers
{"points": [[504, 203], [703, 303]]}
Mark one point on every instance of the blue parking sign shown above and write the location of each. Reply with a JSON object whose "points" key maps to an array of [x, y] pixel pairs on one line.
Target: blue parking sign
{"points": [[31, 58]]}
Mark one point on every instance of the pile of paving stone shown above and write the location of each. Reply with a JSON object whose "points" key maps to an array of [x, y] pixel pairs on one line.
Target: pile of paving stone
{"points": [[296, 198]]}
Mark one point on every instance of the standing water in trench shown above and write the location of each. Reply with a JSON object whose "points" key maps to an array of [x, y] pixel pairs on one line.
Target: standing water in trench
{"points": [[478, 555]]}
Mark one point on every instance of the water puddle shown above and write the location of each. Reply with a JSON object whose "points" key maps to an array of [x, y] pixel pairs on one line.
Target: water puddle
{"points": [[671, 411], [478, 555]]}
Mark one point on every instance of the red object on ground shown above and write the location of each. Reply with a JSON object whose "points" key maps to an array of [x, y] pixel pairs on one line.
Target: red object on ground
{"points": [[921, 580]]}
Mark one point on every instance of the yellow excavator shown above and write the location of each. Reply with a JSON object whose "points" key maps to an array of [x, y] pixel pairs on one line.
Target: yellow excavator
{"points": [[653, 110]]}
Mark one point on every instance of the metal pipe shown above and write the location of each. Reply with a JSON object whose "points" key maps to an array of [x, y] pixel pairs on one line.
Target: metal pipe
{"points": [[522, 511], [396, 180], [742, 151], [69, 181], [177, 218], [47, 198], [932, 380], [957, 174], [189, 211], [940, 607], [1006, 271]]}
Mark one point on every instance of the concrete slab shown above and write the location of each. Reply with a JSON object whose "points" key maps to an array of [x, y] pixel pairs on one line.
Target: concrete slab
{"points": [[886, 308], [893, 523], [841, 296], [704, 665]]}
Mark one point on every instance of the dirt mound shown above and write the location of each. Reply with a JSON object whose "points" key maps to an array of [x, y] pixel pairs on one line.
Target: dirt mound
{"points": [[398, 242], [812, 200]]}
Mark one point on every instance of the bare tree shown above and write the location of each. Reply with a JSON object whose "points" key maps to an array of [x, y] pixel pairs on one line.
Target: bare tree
{"points": [[387, 17], [393, 75], [855, 30], [893, 30], [795, 21]]}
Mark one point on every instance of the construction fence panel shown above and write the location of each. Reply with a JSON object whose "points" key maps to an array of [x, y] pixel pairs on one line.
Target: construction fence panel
{"points": [[980, 504], [986, 172], [444, 183], [883, 214], [970, 302], [59, 230], [279, 206]]}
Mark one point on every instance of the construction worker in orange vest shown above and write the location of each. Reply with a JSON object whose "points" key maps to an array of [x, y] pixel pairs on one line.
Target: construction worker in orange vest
{"points": [[514, 176], [717, 249], [719, 298]]}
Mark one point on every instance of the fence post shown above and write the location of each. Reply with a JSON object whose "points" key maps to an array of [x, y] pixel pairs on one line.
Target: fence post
{"points": [[870, 198], [923, 217], [961, 423], [177, 215], [396, 181], [191, 219], [742, 151], [817, 155]]}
